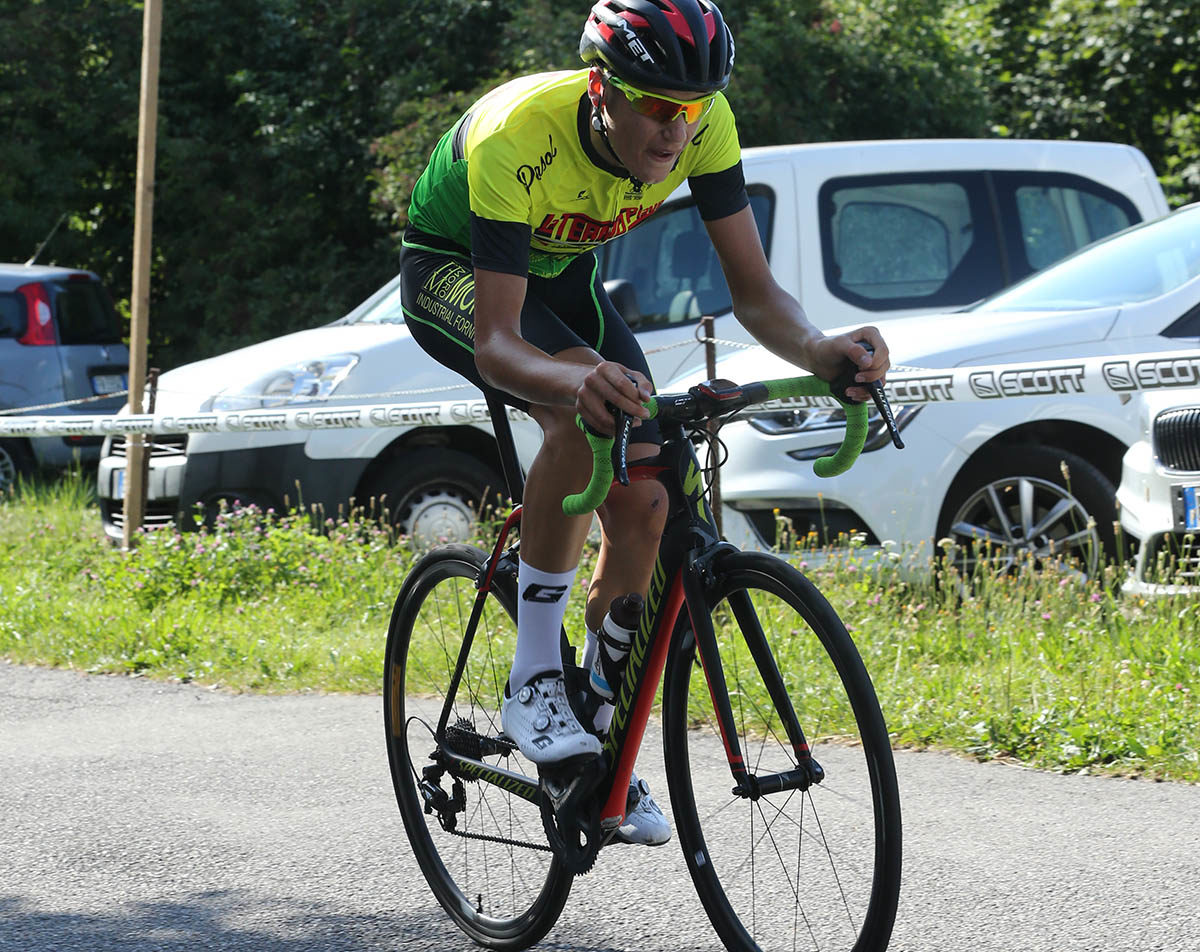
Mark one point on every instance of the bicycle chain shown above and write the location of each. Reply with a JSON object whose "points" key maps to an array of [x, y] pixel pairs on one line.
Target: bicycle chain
{"points": [[504, 841]]}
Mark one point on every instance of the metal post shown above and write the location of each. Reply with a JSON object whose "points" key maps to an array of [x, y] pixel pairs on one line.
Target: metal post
{"points": [[710, 368]]}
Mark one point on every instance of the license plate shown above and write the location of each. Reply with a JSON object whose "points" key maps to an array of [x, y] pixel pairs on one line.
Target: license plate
{"points": [[1191, 510], [108, 383], [119, 484]]}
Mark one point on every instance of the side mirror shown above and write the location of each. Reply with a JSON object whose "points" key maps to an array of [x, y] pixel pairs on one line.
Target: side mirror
{"points": [[624, 298]]}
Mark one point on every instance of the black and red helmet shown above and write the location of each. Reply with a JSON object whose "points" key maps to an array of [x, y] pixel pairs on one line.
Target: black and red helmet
{"points": [[669, 44]]}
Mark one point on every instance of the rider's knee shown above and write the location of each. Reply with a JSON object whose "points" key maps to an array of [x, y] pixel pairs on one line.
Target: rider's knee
{"points": [[558, 426], [639, 509]]}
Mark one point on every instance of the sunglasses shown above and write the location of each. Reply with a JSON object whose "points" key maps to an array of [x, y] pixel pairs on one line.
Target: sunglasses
{"points": [[662, 108]]}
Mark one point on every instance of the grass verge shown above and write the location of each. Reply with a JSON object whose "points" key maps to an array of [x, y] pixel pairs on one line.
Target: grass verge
{"points": [[1039, 666]]}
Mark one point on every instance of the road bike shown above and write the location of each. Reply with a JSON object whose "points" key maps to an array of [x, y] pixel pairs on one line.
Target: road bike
{"points": [[777, 758]]}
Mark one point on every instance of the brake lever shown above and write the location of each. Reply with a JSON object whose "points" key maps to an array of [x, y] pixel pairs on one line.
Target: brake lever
{"points": [[839, 385], [624, 423]]}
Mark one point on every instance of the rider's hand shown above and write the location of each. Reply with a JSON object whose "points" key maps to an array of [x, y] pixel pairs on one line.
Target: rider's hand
{"points": [[611, 383], [828, 354]]}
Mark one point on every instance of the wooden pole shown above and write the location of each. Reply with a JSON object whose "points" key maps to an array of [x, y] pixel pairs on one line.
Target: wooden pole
{"points": [[143, 218]]}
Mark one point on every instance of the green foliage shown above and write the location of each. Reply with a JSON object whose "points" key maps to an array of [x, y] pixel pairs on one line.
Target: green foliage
{"points": [[262, 220], [290, 133], [1123, 70], [876, 71]]}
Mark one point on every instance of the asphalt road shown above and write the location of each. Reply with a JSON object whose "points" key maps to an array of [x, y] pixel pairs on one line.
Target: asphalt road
{"points": [[137, 816]]}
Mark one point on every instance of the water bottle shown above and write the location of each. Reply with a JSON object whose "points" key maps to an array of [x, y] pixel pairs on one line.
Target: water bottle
{"points": [[615, 637]]}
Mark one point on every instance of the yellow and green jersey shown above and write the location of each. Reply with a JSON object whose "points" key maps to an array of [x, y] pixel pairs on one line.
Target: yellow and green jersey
{"points": [[522, 156]]}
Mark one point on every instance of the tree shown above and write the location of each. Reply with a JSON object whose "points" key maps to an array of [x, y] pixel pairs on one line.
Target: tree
{"points": [[877, 71], [1122, 70], [263, 222]]}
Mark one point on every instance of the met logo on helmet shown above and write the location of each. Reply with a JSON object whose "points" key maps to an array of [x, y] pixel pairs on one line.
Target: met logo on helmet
{"points": [[635, 44]]}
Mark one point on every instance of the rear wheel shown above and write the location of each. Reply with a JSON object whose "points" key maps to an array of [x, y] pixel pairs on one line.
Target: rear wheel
{"points": [[811, 869], [482, 849]]}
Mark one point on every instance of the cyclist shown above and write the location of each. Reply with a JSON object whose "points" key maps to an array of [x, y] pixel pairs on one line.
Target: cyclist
{"points": [[499, 283]]}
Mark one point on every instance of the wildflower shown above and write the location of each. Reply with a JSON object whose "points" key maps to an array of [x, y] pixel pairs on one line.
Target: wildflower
{"points": [[1046, 616], [1094, 597]]}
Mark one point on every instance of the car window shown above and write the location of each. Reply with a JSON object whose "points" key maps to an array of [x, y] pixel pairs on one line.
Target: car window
{"points": [[1057, 218], [909, 240], [889, 249], [84, 314], [672, 266], [12, 315], [1141, 263], [1187, 326], [386, 310]]}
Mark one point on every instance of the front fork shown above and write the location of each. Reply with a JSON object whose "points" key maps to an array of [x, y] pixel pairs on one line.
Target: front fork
{"points": [[699, 581]]}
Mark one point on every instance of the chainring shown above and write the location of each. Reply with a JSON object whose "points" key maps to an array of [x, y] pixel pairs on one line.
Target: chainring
{"points": [[571, 816]]}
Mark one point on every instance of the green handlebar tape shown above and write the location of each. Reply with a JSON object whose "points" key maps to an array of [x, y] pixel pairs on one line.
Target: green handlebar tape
{"points": [[602, 470], [856, 434], [856, 422], [602, 475]]}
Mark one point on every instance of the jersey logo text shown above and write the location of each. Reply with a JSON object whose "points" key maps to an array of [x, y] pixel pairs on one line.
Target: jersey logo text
{"points": [[577, 228], [528, 174]]}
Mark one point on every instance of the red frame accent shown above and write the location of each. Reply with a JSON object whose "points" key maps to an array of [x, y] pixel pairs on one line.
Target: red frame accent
{"points": [[614, 806], [514, 517]]}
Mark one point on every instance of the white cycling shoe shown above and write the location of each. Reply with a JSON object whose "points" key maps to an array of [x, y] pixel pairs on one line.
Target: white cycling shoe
{"points": [[644, 823], [539, 720]]}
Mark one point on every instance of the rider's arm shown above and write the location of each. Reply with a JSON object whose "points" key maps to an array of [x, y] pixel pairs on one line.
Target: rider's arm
{"points": [[510, 363], [775, 318]]}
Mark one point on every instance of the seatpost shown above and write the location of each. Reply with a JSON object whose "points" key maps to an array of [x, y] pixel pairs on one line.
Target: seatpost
{"points": [[509, 463]]}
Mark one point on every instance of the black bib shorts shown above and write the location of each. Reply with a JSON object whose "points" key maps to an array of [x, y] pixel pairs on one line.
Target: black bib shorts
{"points": [[570, 310]]}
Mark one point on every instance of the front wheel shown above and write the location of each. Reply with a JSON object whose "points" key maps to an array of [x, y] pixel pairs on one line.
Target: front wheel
{"points": [[811, 869], [482, 848]]}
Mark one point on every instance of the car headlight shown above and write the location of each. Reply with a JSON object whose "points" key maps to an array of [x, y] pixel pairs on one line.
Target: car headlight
{"points": [[302, 382], [784, 421]]}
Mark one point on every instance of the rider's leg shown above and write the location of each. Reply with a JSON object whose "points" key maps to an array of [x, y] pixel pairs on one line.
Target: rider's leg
{"points": [[551, 542], [631, 523]]}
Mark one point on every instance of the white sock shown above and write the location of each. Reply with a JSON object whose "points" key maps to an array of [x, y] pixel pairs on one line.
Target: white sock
{"points": [[541, 604], [604, 712]]}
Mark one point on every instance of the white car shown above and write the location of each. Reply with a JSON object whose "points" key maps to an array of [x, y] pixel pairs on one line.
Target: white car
{"points": [[1026, 474], [1160, 493], [432, 476], [859, 231]]}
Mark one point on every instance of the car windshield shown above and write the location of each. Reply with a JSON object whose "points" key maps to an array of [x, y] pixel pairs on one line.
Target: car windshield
{"points": [[1138, 264], [386, 310], [85, 314]]}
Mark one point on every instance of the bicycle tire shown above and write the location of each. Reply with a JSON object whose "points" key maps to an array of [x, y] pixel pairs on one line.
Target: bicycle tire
{"points": [[819, 868], [502, 895]]}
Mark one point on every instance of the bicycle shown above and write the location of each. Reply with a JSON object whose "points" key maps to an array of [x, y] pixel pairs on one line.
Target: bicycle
{"points": [[801, 849]]}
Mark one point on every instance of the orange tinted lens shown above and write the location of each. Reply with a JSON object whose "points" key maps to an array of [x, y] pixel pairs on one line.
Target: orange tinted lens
{"points": [[664, 110], [661, 110]]}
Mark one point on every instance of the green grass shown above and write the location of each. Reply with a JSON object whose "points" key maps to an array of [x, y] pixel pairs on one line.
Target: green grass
{"points": [[1037, 667]]}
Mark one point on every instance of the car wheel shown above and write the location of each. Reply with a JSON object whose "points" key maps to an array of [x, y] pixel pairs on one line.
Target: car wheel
{"points": [[15, 462], [433, 495], [1027, 506]]}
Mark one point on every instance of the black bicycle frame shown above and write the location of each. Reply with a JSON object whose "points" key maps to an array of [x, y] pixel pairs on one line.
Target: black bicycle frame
{"points": [[686, 567]]}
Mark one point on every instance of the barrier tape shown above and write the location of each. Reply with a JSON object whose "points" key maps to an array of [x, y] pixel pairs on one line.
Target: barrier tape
{"points": [[1126, 374]]}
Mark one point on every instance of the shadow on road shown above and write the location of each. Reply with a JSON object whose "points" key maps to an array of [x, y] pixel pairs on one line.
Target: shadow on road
{"points": [[228, 920]]}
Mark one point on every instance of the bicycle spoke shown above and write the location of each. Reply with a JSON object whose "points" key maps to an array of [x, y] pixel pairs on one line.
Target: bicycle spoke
{"points": [[815, 849], [482, 848]]}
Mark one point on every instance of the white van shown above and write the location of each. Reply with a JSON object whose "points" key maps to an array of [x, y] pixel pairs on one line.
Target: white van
{"points": [[859, 232]]}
